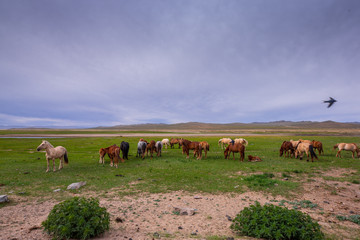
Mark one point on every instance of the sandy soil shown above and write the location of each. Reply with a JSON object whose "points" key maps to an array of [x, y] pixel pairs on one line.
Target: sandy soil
{"points": [[151, 216]]}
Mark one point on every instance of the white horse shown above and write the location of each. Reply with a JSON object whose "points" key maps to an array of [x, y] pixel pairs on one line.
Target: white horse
{"points": [[165, 142], [347, 147], [224, 141], [53, 153], [242, 141], [158, 147]]}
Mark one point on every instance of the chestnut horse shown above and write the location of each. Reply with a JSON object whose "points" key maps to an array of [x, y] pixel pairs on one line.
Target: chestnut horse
{"points": [[254, 159], [203, 146], [234, 148], [347, 147], [287, 148], [189, 145], [114, 154], [307, 148], [53, 153], [318, 145], [150, 147], [174, 141]]}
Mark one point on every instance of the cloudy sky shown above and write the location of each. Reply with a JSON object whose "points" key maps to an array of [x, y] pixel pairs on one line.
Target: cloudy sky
{"points": [[90, 63]]}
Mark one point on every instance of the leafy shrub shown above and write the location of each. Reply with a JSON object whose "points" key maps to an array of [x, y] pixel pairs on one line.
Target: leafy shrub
{"points": [[78, 218], [274, 222]]}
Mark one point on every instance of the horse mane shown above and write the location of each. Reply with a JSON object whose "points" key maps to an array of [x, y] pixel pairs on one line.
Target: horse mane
{"points": [[48, 143]]}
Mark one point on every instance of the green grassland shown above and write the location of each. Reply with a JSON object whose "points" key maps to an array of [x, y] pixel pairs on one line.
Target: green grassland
{"points": [[22, 169]]}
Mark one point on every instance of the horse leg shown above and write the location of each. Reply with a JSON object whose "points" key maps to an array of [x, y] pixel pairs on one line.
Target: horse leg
{"points": [[111, 161], [353, 154], [307, 155], [47, 160], [338, 154], [54, 168], [61, 163]]}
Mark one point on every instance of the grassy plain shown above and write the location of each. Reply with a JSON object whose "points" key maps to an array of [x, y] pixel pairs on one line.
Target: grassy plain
{"points": [[22, 169]]}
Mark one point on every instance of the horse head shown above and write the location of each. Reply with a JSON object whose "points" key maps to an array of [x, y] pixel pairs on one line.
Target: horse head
{"points": [[44, 144]]}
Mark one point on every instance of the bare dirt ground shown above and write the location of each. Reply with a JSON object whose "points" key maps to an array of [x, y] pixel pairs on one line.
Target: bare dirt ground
{"points": [[151, 216]]}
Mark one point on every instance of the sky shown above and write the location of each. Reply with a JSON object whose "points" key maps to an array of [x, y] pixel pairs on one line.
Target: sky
{"points": [[89, 63]]}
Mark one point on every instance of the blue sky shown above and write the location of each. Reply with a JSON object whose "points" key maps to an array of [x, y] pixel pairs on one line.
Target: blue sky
{"points": [[90, 63]]}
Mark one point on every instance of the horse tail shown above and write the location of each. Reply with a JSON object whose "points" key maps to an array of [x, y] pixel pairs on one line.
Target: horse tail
{"points": [[66, 158], [313, 154]]}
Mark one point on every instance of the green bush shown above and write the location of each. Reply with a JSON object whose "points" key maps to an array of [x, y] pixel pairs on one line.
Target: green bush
{"points": [[77, 218], [274, 222]]}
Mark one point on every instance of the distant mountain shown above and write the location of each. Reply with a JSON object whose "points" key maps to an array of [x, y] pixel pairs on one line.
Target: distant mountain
{"points": [[233, 126]]}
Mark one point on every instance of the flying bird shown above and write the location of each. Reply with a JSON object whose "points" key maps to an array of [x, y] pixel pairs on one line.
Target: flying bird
{"points": [[331, 101]]}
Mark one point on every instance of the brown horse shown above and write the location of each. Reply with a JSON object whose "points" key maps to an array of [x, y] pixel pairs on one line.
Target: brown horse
{"points": [[174, 141], [287, 148], [143, 140], [318, 145], [151, 147], [203, 146], [235, 148], [114, 154], [307, 148], [347, 147], [254, 159], [189, 145]]}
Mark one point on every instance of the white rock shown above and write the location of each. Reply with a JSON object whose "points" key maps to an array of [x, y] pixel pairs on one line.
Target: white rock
{"points": [[76, 185], [4, 198]]}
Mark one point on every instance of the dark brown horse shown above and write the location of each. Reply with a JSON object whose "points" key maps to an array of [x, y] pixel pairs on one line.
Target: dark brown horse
{"points": [[235, 148], [114, 154], [151, 147], [287, 148], [318, 145], [189, 145]]}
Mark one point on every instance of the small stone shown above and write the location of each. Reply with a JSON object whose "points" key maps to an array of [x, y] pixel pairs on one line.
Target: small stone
{"points": [[57, 190], [228, 218], [197, 197], [185, 211], [180, 227]]}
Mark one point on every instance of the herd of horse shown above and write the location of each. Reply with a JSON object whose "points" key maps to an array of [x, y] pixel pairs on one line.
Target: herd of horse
{"points": [[288, 149]]}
